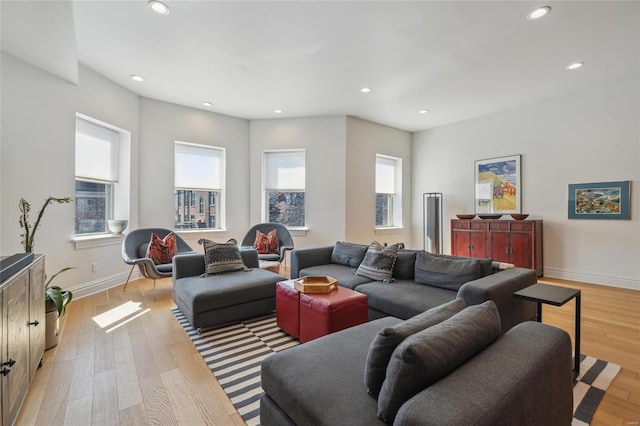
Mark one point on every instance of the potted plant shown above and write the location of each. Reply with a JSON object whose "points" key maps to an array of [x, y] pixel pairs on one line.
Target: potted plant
{"points": [[56, 298]]}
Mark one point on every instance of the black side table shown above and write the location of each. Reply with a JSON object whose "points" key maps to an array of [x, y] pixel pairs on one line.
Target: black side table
{"points": [[556, 296]]}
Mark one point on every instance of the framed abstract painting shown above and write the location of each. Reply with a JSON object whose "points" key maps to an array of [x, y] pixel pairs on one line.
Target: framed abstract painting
{"points": [[497, 185], [604, 200]]}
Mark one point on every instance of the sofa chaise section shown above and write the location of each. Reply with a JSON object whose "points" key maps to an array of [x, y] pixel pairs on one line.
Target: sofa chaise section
{"points": [[223, 298]]}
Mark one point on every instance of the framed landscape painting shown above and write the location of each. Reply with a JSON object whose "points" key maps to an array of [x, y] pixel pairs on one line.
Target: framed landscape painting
{"points": [[497, 185], [604, 200]]}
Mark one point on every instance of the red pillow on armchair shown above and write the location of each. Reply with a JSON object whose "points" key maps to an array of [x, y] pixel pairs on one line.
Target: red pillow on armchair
{"points": [[160, 250], [267, 244]]}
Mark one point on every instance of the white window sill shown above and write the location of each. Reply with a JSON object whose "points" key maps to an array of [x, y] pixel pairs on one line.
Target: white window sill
{"points": [[298, 232], [200, 231], [99, 240], [389, 230]]}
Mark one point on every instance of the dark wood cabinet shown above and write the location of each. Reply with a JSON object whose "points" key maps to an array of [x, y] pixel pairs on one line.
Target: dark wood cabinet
{"points": [[23, 335], [510, 241]]}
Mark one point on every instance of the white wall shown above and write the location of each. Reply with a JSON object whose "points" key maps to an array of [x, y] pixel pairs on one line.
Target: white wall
{"points": [[364, 140], [324, 140], [591, 135], [38, 151], [161, 124]]}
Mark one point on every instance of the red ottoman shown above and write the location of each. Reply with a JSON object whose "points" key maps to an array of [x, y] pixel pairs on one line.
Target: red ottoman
{"points": [[321, 314], [288, 308]]}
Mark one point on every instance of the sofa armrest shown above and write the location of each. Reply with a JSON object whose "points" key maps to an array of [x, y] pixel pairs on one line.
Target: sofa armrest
{"points": [[307, 257], [524, 378], [500, 287], [188, 265], [250, 257]]}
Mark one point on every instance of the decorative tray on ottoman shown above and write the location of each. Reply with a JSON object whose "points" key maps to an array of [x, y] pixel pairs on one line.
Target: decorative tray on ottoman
{"points": [[316, 284]]}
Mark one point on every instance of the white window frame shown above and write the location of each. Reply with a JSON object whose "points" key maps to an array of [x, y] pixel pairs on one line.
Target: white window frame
{"points": [[389, 182], [116, 179], [194, 183], [295, 182]]}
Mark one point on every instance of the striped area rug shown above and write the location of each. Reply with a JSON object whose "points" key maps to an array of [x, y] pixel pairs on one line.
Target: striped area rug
{"points": [[234, 354], [589, 388]]}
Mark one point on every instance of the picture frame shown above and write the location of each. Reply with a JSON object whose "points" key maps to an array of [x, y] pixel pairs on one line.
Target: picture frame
{"points": [[602, 200], [497, 185]]}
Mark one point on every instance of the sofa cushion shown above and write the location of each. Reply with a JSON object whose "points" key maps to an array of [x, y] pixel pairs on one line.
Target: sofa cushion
{"points": [[404, 298], [221, 291], [220, 258], [427, 356], [266, 244], [405, 264], [446, 273], [389, 338], [344, 274], [316, 383], [348, 254], [378, 261], [486, 264]]}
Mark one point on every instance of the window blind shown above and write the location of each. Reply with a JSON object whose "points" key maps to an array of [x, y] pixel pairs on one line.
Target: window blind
{"points": [[198, 166], [96, 151], [284, 170], [385, 175]]}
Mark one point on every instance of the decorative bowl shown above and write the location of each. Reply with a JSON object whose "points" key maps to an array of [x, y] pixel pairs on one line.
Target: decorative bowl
{"points": [[465, 216], [489, 216], [519, 216], [117, 226]]}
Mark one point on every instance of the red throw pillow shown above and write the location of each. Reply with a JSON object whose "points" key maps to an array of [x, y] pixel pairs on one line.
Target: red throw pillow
{"points": [[266, 244], [161, 251]]}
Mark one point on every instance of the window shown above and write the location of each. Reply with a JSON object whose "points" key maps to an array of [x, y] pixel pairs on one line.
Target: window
{"points": [[199, 174], [388, 191], [96, 176], [284, 187]]}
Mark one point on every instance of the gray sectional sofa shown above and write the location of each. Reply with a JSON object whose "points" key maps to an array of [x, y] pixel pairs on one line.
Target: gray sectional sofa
{"points": [[440, 279], [522, 377]]}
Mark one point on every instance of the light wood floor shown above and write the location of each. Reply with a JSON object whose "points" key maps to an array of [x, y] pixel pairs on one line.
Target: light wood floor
{"points": [[124, 359]]}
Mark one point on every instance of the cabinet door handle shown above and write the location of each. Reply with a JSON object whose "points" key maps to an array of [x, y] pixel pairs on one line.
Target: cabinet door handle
{"points": [[6, 370], [35, 323], [10, 362]]}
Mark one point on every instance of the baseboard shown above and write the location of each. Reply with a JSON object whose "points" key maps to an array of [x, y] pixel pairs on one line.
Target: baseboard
{"points": [[607, 280], [102, 284]]}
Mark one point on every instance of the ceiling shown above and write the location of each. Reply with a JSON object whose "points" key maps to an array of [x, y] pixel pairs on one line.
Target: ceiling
{"points": [[457, 59]]}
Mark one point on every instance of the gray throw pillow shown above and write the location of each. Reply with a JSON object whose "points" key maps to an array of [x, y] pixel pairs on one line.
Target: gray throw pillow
{"points": [[429, 355], [389, 338], [348, 254], [221, 257], [405, 265], [446, 273], [378, 262]]}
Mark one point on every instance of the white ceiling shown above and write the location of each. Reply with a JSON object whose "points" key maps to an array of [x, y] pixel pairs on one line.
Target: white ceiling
{"points": [[457, 59]]}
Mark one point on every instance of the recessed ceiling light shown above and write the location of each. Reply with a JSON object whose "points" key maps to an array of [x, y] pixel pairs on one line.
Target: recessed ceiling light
{"points": [[159, 7], [137, 78], [207, 104], [575, 66], [365, 90], [277, 111], [538, 13], [423, 111]]}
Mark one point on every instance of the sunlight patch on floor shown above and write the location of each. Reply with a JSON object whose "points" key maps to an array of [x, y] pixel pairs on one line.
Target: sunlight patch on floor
{"points": [[119, 315]]}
